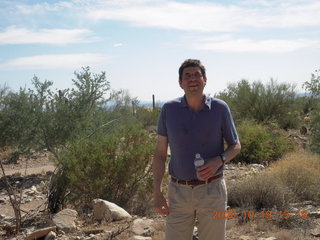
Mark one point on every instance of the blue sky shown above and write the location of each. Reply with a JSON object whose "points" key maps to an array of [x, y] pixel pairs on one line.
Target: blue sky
{"points": [[140, 44]]}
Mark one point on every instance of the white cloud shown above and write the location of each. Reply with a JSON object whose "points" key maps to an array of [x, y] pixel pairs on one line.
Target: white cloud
{"points": [[207, 16], [118, 45], [13, 35], [227, 43], [41, 8], [174, 15], [55, 61], [190, 16]]}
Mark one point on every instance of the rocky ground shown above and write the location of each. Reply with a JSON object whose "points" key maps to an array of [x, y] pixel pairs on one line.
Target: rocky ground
{"points": [[68, 224]]}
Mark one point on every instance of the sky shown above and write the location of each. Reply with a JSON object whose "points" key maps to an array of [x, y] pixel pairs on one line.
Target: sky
{"points": [[140, 44]]}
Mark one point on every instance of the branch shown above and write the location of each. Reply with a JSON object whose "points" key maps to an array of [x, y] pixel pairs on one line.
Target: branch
{"points": [[103, 125], [13, 200]]}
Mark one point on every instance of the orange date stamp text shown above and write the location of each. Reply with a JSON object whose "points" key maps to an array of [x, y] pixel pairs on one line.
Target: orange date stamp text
{"points": [[263, 214]]}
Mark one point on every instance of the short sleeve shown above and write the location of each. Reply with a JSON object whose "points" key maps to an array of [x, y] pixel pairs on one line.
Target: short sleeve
{"points": [[229, 130], [162, 128]]}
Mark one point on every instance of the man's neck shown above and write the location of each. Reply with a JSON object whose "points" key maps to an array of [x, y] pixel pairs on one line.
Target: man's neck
{"points": [[195, 102]]}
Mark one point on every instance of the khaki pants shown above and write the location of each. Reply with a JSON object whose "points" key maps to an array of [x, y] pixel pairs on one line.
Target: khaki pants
{"points": [[188, 202]]}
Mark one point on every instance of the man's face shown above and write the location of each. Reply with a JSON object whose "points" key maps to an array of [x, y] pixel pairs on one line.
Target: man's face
{"points": [[192, 80]]}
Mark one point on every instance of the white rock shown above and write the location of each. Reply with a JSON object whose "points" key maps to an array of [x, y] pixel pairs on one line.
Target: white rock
{"points": [[195, 231], [140, 238], [269, 238], [308, 208], [243, 237], [315, 214], [27, 200], [256, 166], [65, 220], [315, 232], [50, 236], [143, 227], [104, 210], [34, 189]]}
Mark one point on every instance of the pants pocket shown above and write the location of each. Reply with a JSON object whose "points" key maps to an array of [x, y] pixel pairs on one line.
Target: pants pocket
{"points": [[217, 189]]}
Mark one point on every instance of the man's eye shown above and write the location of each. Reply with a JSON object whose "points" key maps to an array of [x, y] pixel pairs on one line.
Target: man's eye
{"points": [[196, 75]]}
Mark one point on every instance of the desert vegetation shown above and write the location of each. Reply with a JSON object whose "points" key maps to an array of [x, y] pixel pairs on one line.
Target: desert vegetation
{"points": [[102, 141]]}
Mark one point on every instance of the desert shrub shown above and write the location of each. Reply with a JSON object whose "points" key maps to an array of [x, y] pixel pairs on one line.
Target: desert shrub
{"points": [[313, 87], [114, 166], [291, 120], [315, 130], [258, 192], [147, 116], [261, 143], [299, 171], [262, 102], [18, 121], [40, 118]]}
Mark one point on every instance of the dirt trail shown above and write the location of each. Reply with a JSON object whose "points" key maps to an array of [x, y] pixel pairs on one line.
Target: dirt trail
{"points": [[39, 165]]}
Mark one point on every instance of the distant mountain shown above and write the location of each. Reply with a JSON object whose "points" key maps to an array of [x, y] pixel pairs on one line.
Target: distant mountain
{"points": [[303, 94], [149, 103]]}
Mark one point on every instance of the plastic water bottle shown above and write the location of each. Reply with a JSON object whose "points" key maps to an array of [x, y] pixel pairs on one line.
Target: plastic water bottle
{"points": [[198, 162]]}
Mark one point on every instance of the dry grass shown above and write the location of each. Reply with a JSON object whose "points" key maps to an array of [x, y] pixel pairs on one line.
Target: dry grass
{"points": [[294, 177], [262, 228], [299, 171], [258, 192], [289, 235]]}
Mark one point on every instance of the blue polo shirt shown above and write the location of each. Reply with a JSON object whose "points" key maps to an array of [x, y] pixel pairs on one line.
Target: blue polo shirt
{"points": [[191, 132]]}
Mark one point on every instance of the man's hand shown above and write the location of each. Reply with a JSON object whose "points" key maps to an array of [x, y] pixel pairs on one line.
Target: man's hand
{"points": [[160, 204], [209, 168]]}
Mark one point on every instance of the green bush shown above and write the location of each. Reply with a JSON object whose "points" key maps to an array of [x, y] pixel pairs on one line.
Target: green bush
{"points": [[262, 103], [114, 166], [313, 87], [315, 130], [147, 116], [18, 121], [39, 118], [260, 143]]}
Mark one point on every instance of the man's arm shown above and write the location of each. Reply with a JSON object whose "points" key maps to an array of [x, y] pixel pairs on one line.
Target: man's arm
{"points": [[213, 164], [232, 151], [158, 167]]}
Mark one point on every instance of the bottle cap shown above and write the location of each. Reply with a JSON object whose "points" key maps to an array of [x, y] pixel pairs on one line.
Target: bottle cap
{"points": [[198, 155]]}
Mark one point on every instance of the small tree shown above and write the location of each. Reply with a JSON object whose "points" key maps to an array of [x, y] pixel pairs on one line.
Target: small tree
{"points": [[313, 87], [38, 118]]}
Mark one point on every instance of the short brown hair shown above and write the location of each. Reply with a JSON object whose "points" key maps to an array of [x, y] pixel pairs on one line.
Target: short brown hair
{"points": [[192, 63]]}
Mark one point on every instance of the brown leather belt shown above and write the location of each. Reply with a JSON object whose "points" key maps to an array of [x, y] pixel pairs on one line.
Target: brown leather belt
{"points": [[195, 182]]}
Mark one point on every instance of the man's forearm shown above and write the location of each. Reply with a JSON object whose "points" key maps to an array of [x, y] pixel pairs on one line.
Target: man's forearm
{"points": [[232, 151], [158, 172]]}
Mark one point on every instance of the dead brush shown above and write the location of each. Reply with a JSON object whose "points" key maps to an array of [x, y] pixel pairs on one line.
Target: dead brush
{"points": [[299, 171], [260, 191]]}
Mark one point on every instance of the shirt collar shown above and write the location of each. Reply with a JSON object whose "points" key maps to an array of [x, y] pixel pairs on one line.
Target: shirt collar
{"points": [[207, 101]]}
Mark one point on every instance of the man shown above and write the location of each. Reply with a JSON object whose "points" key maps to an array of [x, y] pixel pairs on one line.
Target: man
{"points": [[194, 124]]}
